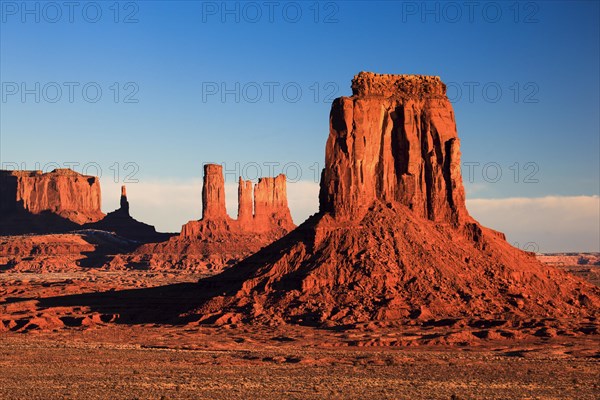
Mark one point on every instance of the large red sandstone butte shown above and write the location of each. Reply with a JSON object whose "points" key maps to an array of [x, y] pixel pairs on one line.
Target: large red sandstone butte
{"points": [[395, 140], [393, 241], [217, 240]]}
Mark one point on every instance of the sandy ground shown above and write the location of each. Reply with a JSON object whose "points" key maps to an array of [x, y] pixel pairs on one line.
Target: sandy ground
{"points": [[78, 368], [96, 358]]}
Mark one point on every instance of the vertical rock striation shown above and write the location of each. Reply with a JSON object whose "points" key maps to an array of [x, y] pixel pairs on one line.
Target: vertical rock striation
{"points": [[394, 140], [245, 212], [270, 203], [213, 193], [62, 192]]}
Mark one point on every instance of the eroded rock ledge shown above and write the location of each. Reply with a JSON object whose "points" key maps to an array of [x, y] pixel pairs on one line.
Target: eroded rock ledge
{"points": [[406, 86]]}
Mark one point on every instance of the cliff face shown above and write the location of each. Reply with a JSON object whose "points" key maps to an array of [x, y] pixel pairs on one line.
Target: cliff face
{"points": [[393, 241], [394, 140], [213, 193], [245, 208], [270, 204], [62, 201], [62, 192]]}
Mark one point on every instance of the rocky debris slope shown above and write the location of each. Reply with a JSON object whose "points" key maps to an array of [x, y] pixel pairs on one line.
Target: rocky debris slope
{"points": [[393, 242], [217, 240]]}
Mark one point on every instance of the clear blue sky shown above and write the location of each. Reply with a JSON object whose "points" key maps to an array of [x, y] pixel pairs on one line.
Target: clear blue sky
{"points": [[543, 56]]}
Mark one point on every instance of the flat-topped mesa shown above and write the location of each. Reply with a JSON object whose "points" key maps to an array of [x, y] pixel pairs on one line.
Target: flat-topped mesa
{"points": [[393, 142], [213, 193], [406, 86], [245, 214], [63, 192], [270, 203]]}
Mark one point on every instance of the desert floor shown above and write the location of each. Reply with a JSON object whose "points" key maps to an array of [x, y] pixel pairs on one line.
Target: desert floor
{"points": [[43, 356], [85, 367]]}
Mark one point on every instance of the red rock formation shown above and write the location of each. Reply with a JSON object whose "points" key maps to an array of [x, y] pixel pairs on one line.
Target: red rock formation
{"points": [[395, 140], [63, 201], [217, 241], [245, 212], [213, 193], [271, 212], [270, 204], [62, 192], [123, 202], [393, 241]]}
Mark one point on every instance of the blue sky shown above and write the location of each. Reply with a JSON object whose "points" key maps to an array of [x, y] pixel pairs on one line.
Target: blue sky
{"points": [[533, 68]]}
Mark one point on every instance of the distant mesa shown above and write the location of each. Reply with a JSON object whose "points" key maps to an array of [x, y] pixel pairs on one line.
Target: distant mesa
{"points": [[393, 241], [61, 201], [57, 201], [63, 192]]}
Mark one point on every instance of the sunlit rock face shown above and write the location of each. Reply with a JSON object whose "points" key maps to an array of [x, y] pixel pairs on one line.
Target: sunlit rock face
{"points": [[394, 140], [393, 241], [63, 192]]}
